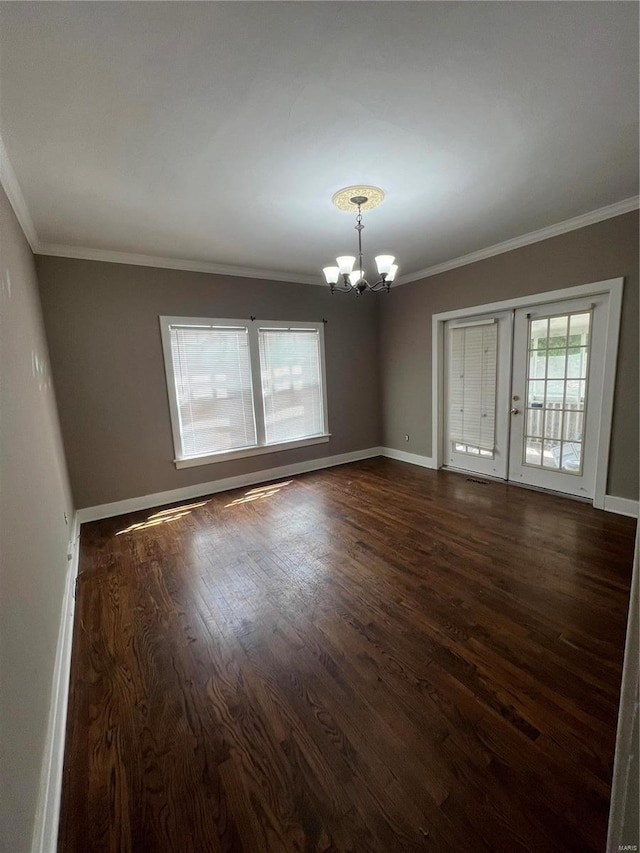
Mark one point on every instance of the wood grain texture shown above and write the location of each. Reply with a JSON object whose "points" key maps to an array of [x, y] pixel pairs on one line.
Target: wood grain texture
{"points": [[374, 657]]}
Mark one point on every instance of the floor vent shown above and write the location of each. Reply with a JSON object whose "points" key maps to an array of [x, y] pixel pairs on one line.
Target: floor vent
{"points": [[479, 482]]}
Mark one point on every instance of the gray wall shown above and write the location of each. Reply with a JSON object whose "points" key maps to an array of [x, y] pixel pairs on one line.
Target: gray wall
{"points": [[34, 495], [103, 332], [606, 250], [102, 326]]}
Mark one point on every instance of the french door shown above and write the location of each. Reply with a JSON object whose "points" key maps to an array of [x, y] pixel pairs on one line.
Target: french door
{"points": [[558, 370], [477, 377], [522, 391]]}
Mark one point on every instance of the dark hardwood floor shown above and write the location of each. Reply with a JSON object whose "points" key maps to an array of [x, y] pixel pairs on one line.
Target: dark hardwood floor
{"points": [[374, 657]]}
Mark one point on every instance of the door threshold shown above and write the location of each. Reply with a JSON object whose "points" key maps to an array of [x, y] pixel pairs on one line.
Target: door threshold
{"points": [[474, 474], [579, 498], [489, 478]]}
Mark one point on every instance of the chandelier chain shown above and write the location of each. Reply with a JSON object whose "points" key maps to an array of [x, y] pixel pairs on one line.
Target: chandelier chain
{"points": [[359, 227]]}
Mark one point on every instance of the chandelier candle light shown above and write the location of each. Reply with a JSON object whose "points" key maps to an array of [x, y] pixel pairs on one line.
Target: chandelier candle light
{"points": [[354, 280]]}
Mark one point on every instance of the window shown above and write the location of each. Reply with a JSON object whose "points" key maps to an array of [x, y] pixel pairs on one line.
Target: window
{"points": [[238, 388]]}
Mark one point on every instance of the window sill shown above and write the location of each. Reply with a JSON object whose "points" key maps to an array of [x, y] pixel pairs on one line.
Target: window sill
{"points": [[227, 455]]}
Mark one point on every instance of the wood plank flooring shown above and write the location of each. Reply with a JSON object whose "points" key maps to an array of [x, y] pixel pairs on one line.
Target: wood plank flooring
{"points": [[374, 657]]}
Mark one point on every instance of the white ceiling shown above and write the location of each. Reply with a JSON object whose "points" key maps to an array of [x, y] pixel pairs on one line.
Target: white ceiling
{"points": [[217, 132]]}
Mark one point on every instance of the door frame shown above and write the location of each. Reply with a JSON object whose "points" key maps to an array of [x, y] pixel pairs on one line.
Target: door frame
{"points": [[612, 288]]}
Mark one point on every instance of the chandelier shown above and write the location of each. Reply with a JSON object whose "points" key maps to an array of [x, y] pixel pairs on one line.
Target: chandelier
{"points": [[354, 280]]}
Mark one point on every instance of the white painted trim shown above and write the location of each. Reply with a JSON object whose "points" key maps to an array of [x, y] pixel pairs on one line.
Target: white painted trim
{"points": [[114, 257], [10, 183], [16, 198], [110, 256], [94, 513], [608, 389], [582, 221], [578, 290], [437, 390], [613, 287], [244, 453], [45, 832], [403, 456], [622, 506]]}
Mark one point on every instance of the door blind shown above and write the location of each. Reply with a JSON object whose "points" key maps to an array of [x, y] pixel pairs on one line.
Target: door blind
{"points": [[212, 371], [472, 383], [291, 383]]}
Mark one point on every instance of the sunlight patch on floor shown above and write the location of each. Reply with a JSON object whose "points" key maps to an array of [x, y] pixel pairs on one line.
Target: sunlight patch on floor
{"points": [[258, 494], [162, 517]]}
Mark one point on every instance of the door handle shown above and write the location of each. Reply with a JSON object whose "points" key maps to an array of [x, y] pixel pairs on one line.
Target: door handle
{"points": [[515, 411]]}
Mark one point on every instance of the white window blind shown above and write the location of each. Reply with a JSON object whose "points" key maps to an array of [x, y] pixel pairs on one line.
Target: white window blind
{"points": [[472, 382], [291, 373], [212, 372]]}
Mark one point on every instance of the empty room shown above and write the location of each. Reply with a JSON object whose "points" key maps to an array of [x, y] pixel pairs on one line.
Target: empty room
{"points": [[319, 427]]}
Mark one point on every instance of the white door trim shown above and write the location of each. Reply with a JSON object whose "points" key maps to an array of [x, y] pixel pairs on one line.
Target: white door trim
{"points": [[613, 287]]}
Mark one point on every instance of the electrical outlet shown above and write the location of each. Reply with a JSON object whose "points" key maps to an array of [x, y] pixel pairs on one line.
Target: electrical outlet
{"points": [[406, 437]]}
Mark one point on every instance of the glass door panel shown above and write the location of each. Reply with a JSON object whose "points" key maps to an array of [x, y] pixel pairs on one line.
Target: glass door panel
{"points": [[554, 346]]}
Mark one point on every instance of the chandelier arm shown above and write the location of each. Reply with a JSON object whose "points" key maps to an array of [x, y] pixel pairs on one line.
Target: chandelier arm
{"points": [[341, 288]]}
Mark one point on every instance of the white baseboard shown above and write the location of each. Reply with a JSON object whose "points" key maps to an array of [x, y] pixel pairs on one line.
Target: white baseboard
{"points": [[403, 456], [45, 832], [623, 506], [95, 513]]}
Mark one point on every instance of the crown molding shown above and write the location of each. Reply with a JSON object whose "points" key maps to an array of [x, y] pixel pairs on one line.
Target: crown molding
{"points": [[108, 256], [16, 198], [17, 201], [599, 215], [112, 257]]}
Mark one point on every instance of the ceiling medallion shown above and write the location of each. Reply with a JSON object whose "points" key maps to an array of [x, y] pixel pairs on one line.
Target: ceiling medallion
{"points": [[354, 280], [342, 199]]}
